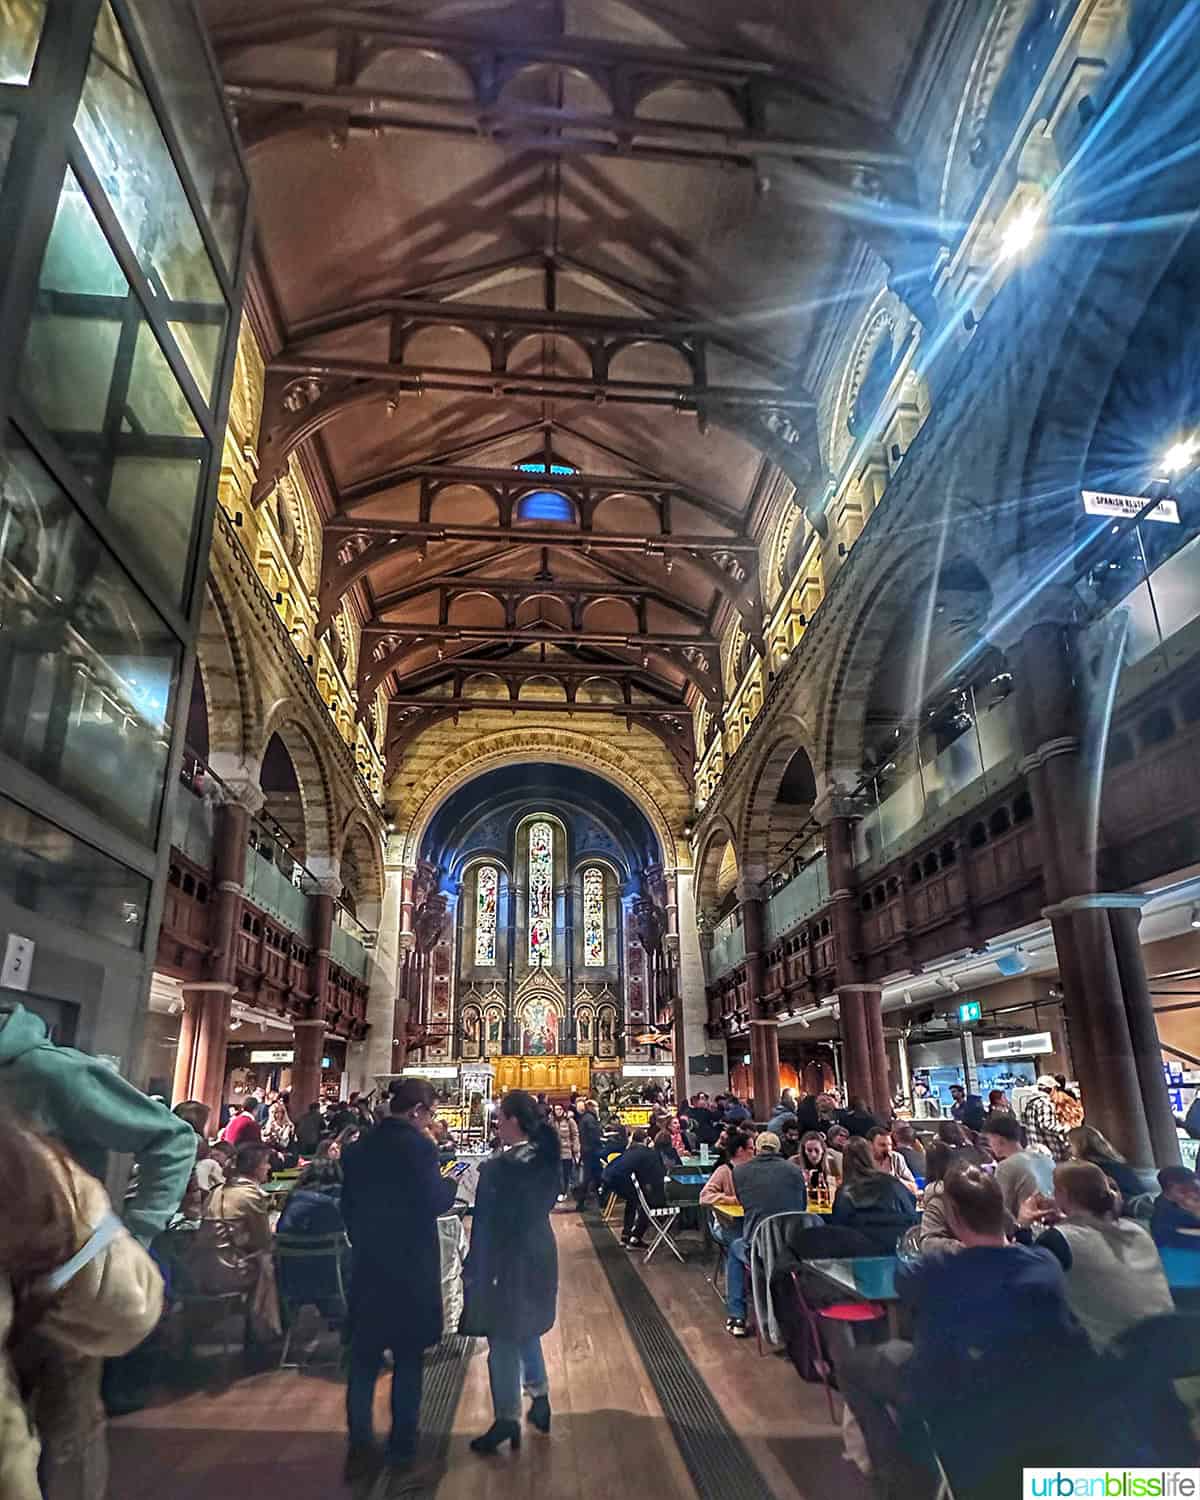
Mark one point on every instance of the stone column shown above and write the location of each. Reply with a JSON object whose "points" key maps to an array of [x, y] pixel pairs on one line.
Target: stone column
{"points": [[214, 1002], [1106, 996], [185, 1053], [764, 1028], [384, 972], [691, 1027], [306, 1064]]}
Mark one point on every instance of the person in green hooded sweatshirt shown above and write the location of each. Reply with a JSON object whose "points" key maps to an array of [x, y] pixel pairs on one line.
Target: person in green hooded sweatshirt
{"points": [[81, 1102]]}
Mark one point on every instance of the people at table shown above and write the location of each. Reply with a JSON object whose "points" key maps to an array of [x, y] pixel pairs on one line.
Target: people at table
{"points": [[789, 1138], [392, 1196], [858, 1119], [835, 1139], [591, 1141], [966, 1108], [998, 1103], [1175, 1218], [279, 1131], [936, 1237], [719, 1189], [784, 1110], [511, 1274], [642, 1161], [906, 1142], [243, 1129], [1020, 1172], [1087, 1144], [1041, 1120], [765, 1185], [827, 1114], [707, 1120], [314, 1205], [666, 1148], [242, 1202], [568, 1148], [888, 1159], [1114, 1275], [871, 1199], [821, 1177], [994, 1347]]}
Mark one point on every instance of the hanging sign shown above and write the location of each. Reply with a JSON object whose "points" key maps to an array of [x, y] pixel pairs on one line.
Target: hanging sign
{"points": [[1035, 1044], [648, 1070], [969, 1012], [278, 1055], [1125, 507]]}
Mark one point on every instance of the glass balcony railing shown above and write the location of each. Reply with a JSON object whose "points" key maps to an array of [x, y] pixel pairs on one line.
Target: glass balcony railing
{"points": [[804, 894], [1158, 607], [270, 889], [728, 949], [989, 744], [192, 826], [347, 951]]}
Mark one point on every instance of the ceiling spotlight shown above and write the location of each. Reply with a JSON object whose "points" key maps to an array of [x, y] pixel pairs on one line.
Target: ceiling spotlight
{"points": [[804, 1021], [1021, 231], [1179, 456], [1195, 917], [908, 997]]}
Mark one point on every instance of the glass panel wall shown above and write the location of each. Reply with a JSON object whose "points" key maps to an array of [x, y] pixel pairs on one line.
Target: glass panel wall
{"points": [[728, 947], [172, 43], [117, 128], [96, 376], [87, 669], [47, 870], [805, 893], [1155, 588], [20, 32]]}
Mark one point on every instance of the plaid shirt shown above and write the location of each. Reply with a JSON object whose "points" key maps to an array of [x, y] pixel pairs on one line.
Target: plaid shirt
{"points": [[1041, 1123]]}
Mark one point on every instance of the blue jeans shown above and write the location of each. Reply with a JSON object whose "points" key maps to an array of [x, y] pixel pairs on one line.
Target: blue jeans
{"points": [[366, 1356], [512, 1364], [736, 1271]]}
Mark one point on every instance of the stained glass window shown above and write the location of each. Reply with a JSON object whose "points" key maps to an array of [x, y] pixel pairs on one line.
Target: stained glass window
{"points": [[593, 918], [541, 894], [486, 885]]}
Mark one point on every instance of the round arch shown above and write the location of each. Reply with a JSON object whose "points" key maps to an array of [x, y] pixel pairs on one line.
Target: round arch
{"points": [[365, 862], [559, 747], [223, 662], [312, 776], [756, 844], [720, 837]]}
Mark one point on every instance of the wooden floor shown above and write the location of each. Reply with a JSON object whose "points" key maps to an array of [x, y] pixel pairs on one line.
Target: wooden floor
{"points": [[281, 1435]]}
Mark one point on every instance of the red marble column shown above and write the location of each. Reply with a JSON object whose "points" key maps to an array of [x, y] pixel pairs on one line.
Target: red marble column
{"points": [[306, 1064], [185, 1053], [220, 984], [764, 1028]]}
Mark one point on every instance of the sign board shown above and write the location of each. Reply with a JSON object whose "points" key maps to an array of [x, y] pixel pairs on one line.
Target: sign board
{"points": [[430, 1072], [1125, 507], [18, 962], [634, 1117], [969, 1011], [648, 1070], [1033, 1044], [279, 1055]]}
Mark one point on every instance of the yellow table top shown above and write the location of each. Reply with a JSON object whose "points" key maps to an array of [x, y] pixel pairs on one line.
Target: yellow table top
{"points": [[730, 1210]]}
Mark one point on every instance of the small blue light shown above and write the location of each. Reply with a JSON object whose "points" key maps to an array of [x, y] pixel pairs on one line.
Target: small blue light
{"points": [[545, 505]]}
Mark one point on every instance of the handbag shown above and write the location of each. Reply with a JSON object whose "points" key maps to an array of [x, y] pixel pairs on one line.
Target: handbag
{"points": [[209, 1261]]}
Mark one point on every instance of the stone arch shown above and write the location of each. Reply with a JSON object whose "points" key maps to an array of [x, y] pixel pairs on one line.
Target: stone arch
{"points": [[223, 661], [719, 837], [299, 529], [764, 828], [315, 783], [361, 865], [882, 327], [665, 808]]}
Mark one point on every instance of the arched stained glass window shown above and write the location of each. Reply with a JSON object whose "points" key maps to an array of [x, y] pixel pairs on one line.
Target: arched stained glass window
{"points": [[541, 894], [593, 918], [487, 884]]}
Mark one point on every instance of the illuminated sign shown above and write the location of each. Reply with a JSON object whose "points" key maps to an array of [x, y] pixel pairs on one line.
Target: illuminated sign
{"points": [[1031, 1045], [281, 1055], [1125, 507], [968, 1011], [438, 1072], [648, 1070]]}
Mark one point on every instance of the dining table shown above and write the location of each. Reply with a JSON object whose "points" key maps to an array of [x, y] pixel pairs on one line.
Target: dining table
{"points": [[863, 1278]]}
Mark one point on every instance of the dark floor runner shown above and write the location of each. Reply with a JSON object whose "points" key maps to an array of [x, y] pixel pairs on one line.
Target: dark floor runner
{"points": [[717, 1460]]}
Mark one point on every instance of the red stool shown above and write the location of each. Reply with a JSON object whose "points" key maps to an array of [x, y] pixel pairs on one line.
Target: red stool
{"points": [[846, 1314]]}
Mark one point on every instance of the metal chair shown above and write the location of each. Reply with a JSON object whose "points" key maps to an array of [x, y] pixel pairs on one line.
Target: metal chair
{"points": [[662, 1220], [721, 1267], [320, 1257], [614, 1203]]}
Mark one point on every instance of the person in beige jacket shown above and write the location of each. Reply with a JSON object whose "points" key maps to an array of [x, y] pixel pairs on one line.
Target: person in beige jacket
{"points": [[75, 1287]]}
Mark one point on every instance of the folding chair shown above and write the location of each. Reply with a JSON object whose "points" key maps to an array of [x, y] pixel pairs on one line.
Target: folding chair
{"points": [[662, 1220], [318, 1259], [721, 1267], [614, 1203]]}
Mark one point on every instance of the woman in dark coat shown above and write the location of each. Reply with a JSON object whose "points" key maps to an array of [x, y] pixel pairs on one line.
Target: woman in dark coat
{"points": [[512, 1270]]}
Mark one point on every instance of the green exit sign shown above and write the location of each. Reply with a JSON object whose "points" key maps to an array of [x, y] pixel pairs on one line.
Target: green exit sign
{"points": [[968, 1011]]}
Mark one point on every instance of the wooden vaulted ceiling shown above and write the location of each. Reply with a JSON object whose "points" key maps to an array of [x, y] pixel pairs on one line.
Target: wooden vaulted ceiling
{"points": [[594, 235]]}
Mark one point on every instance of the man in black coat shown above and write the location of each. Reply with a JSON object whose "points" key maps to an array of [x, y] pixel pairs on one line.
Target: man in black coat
{"points": [[644, 1162], [392, 1196], [591, 1138]]}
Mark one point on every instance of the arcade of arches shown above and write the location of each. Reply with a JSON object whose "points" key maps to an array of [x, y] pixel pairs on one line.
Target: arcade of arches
{"points": [[606, 546]]}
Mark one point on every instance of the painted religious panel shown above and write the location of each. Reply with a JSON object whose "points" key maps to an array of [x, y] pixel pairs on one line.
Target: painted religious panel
{"points": [[606, 1031], [593, 919], [487, 883], [541, 895], [539, 1029], [472, 1033]]}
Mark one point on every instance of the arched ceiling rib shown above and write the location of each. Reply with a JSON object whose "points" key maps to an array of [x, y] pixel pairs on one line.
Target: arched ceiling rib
{"points": [[590, 234]]}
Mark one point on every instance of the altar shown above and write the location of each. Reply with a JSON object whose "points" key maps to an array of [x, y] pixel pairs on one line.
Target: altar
{"points": [[556, 1074]]}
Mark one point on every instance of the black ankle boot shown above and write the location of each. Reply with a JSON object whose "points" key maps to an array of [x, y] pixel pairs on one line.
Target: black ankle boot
{"points": [[539, 1413], [496, 1436]]}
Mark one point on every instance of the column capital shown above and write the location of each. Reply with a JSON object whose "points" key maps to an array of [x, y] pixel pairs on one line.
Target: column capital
{"points": [[751, 890], [206, 986], [834, 801]]}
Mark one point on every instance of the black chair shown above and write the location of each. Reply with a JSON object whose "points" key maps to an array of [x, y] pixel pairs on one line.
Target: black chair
{"points": [[309, 1274]]}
